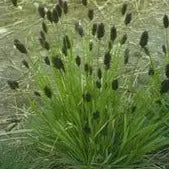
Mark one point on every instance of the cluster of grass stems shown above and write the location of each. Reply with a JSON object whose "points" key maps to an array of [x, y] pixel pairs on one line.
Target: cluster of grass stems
{"points": [[90, 110]]}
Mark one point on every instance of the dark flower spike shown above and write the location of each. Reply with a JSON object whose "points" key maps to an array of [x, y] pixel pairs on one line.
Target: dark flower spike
{"points": [[87, 129], [20, 46], [164, 86], [87, 97], [96, 115], [166, 21], [55, 16], [60, 2], [13, 84], [48, 92], [78, 61], [100, 31], [164, 49], [167, 70], [110, 45], [42, 35], [91, 14], [65, 7], [144, 39], [90, 45], [99, 73], [94, 29], [98, 84], [66, 42], [37, 94], [47, 61], [151, 71], [64, 50], [128, 18], [115, 84], [14, 2], [46, 45], [126, 56], [107, 60], [59, 10], [86, 68], [133, 109], [123, 39], [79, 29], [58, 63], [25, 63], [41, 11], [90, 70], [113, 33], [84, 2], [124, 8], [44, 27], [49, 16]]}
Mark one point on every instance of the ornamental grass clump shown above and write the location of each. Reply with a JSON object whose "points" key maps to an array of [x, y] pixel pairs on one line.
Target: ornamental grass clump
{"points": [[91, 111]]}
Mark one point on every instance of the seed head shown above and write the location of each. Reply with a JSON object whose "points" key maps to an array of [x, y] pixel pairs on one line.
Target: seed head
{"points": [[47, 61], [79, 29], [78, 61], [90, 70], [133, 109], [164, 86], [123, 39], [99, 73], [48, 92], [87, 129], [60, 2], [44, 44], [41, 11], [55, 16], [124, 8], [144, 39], [49, 16], [59, 10], [90, 45], [13, 84], [107, 60], [42, 35], [86, 68], [94, 29], [64, 50], [91, 14], [20, 46], [96, 115], [115, 84], [110, 45], [113, 34], [44, 27], [167, 70], [84, 2], [98, 84], [65, 7], [14, 2], [164, 49], [126, 56], [66, 42], [87, 97], [58, 63], [100, 31], [128, 18], [25, 63], [151, 71], [37, 93], [166, 21]]}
